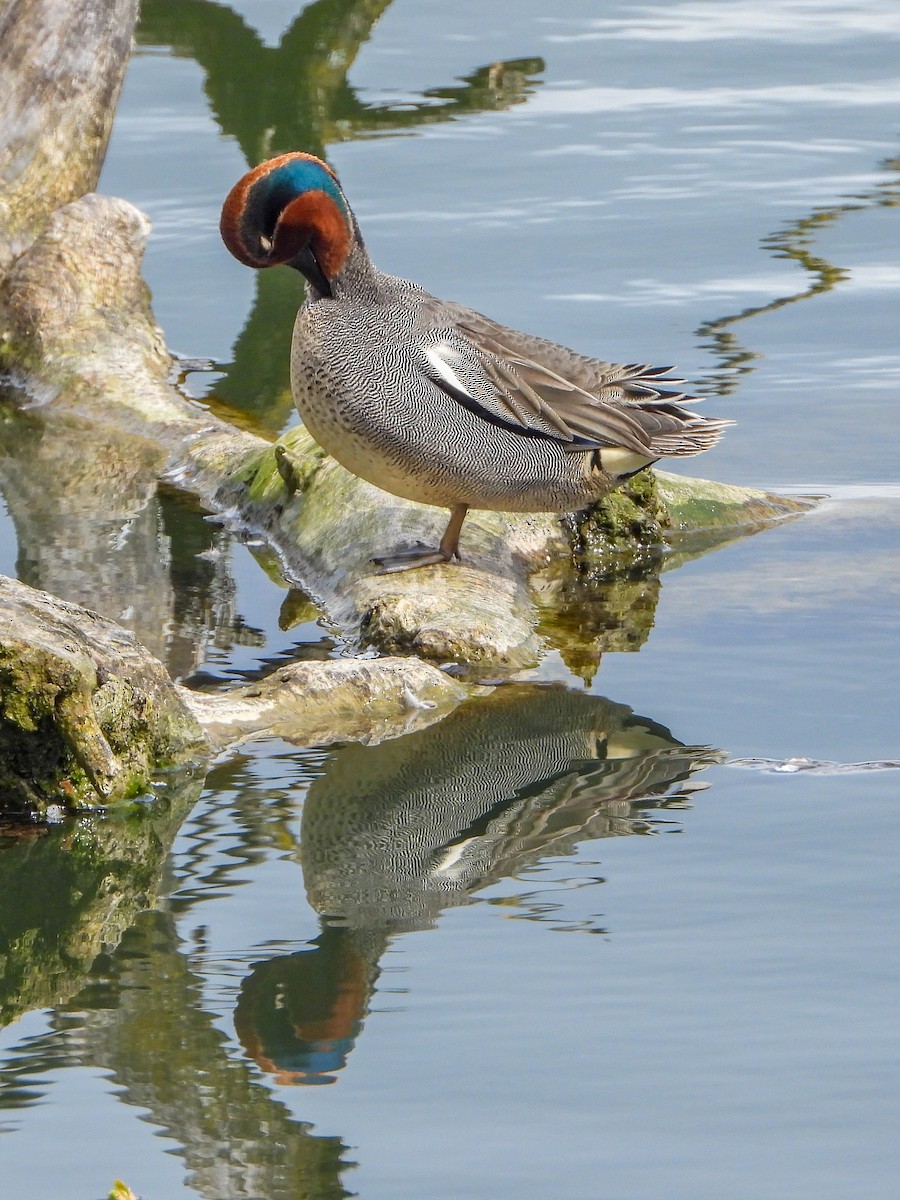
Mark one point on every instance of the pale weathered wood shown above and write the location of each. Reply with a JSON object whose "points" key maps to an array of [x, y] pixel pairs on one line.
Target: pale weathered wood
{"points": [[62, 63], [366, 700]]}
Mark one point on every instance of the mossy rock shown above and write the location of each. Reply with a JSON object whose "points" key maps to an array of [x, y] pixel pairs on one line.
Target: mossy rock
{"points": [[86, 714]]}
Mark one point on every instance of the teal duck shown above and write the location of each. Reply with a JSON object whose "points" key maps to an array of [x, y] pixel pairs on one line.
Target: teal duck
{"points": [[429, 399]]}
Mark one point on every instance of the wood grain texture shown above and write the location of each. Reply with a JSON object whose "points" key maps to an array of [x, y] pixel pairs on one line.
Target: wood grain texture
{"points": [[62, 63]]}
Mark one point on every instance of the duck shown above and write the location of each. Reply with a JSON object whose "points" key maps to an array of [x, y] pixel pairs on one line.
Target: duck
{"points": [[432, 401]]}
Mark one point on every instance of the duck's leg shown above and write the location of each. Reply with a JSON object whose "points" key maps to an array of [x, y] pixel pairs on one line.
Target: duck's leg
{"points": [[425, 556]]}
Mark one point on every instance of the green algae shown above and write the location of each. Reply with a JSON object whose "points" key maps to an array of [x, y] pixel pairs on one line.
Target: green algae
{"points": [[87, 716], [628, 521]]}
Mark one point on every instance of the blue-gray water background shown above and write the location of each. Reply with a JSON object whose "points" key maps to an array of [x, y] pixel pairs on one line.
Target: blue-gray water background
{"points": [[713, 183]]}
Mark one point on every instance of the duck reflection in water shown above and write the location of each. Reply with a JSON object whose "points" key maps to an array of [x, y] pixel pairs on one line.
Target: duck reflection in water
{"points": [[394, 833]]}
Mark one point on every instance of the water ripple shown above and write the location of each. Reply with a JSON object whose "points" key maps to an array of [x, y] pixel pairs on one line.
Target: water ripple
{"points": [[798, 21], [584, 100]]}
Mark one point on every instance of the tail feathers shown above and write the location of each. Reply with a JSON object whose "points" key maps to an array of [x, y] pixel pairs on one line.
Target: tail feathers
{"points": [[640, 386], [673, 431], [693, 436]]}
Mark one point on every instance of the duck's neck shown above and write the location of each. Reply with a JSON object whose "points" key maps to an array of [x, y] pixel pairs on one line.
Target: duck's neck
{"points": [[358, 278]]}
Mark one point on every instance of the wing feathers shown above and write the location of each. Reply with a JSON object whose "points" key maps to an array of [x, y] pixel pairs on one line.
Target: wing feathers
{"points": [[539, 389]]}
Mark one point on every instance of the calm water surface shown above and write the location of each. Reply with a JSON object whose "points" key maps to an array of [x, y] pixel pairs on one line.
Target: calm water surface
{"points": [[558, 944]]}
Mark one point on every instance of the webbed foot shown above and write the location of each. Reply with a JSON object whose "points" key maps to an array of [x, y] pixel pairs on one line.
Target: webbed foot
{"points": [[419, 555]]}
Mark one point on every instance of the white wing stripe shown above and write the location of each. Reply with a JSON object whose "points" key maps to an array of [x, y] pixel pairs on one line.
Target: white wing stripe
{"points": [[438, 355]]}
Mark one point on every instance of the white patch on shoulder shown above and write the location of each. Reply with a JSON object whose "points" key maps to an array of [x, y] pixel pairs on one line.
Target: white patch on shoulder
{"points": [[451, 856], [617, 460], [440, 355]]}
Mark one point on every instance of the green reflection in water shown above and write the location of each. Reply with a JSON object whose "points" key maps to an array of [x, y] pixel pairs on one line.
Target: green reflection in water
{"points": [[67, 892], [295, 96], [141, 1018]]}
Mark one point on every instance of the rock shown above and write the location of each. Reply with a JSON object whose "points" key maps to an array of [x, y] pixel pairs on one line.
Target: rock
{"points": [[86, 714]]}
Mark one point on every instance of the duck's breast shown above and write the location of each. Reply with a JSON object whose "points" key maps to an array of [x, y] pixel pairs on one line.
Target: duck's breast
{"points": [[359, 387]]}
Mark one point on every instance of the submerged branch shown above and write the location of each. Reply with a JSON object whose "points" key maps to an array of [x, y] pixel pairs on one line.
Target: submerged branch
{"points": [[89, 717]]}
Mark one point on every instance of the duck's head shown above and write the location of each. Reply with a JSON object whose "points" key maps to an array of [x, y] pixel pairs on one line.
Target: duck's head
{"points": [[290, 210]]}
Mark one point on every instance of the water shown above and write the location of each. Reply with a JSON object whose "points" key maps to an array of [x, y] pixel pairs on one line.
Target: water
{"points": [[555, 945]]}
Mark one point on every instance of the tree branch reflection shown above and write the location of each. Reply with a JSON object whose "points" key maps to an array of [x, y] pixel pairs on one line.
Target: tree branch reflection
{"points": [[795, 241]]}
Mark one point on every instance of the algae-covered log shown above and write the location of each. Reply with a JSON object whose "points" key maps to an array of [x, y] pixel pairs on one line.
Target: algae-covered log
{"points": [[79, 333], [62, 65], [88, 716], [325, 524]]}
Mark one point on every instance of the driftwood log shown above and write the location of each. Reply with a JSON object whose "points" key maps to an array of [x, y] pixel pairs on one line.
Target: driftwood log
{"points": [[62, 65], [88, 716], [79, 343], [80, 286]]}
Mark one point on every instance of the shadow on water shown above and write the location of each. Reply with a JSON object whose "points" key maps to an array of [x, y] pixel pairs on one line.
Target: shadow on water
{"points": [[391, 835], [295, 96]]}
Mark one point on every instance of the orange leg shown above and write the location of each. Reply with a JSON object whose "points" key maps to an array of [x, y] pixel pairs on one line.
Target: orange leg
{"points": [[426, 556]]}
